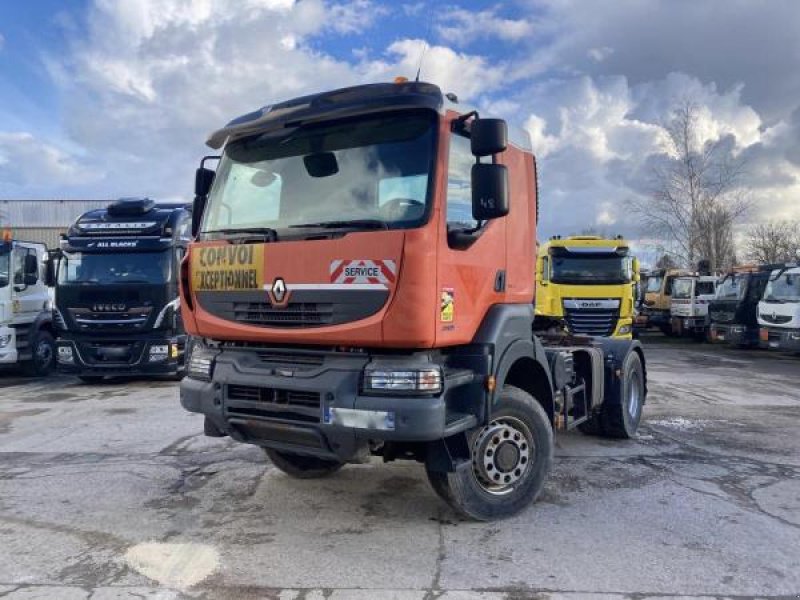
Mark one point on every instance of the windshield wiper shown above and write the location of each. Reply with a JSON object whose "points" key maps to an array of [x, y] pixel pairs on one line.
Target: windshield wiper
{"points": [[269, 234], [366, 223]]}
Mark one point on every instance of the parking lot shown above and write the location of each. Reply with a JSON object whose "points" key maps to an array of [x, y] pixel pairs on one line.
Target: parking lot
{"points": [[112, 491]]}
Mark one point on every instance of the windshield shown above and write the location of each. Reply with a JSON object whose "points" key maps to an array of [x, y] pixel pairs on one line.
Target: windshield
{"points": [[598, 269], [654, 284], [705, 288], [785, 288], [372, 170], [140, 267], [732, 287], [682, 288]]}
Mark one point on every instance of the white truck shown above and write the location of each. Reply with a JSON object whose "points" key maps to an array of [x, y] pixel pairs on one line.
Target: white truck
{"points": [[26, 329], [779, 310], [691, 296]]}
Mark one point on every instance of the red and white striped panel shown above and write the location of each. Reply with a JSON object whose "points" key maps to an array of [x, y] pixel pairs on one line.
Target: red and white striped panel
{"points": [[363, 271]]}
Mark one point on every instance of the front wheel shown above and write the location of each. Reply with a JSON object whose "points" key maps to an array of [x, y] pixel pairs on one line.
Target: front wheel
{"points": [[302, 467], [43, 360], [510, 459]]}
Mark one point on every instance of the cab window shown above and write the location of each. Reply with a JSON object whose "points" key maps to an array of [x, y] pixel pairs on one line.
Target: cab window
{"points": [[459, 186]]}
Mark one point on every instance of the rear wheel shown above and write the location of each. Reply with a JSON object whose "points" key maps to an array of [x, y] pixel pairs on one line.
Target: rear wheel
{"points": [[510, 458], [43, 360], [302, 467], [620, 419]]}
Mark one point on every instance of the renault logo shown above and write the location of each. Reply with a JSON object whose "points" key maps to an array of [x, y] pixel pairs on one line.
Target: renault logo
{"points": [[279, 290]]}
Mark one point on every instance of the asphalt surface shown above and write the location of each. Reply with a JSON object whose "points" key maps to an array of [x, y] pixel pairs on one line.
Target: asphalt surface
{"points": [[111, 491]]}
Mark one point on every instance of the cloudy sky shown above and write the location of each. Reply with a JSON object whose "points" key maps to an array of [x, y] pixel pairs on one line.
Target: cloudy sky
{"points": [[108, 98]]}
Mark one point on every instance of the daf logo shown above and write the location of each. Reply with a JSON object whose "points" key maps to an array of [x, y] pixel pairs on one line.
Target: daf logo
{"points": [[108, 307], [586, 304], [279, 290]]}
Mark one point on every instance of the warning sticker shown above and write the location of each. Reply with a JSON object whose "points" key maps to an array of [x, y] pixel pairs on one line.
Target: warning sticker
{"points": [[447, 308], [363, 271], [227, 268]]}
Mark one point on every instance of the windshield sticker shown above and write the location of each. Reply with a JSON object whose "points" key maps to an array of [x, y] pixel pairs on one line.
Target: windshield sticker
{"points": [[363, 271], [228, 268], [447, 308]]}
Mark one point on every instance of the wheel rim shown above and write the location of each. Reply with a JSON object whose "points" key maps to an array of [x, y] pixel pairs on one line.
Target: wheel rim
{"points": [[501, 455], [634, 394], [44, 354]]}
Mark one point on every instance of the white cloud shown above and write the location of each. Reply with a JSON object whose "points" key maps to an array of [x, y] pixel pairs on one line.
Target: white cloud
{"points": [[459, 26], [599, 54]]}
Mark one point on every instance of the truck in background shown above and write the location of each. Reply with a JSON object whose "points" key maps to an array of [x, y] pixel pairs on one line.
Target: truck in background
{"points": [[779, 310], [362, 283], [691, 296], [26, 328], [117, 310], [734, 309], [586, 285], [655, 311]]}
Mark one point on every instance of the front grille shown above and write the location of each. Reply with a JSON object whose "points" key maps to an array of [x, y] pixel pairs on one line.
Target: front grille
{"points": [[111, 353], [132, 318], [295, 314], [592, 321], [273, 403], [722, 316], [295, 360], [776, 319]]}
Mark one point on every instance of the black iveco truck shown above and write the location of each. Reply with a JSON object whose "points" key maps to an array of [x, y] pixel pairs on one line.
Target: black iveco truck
{"points": [[734, 311], [117, 309]]}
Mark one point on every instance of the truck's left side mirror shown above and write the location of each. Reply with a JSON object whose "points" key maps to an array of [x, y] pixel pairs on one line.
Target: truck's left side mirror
{"points": [[53, 256], [489, 191], [203, 180], [30, 267], [488, 137]]}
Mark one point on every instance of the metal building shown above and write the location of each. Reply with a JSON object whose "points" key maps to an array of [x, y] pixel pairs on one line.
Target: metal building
{"points": [[43, 220]]}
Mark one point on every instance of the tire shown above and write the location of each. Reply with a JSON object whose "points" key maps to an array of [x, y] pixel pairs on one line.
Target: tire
{"points": [[302, 467], [621, 419], [90, 379], [43, 361], [519, 435]]}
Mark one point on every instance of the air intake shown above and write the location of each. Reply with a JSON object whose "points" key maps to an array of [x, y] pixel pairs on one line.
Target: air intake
{"points": [[130, 207]]}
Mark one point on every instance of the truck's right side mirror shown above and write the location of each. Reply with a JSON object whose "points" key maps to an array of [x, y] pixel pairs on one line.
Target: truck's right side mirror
{"points": [[637, 276], [203, 180], [489, 191], [488, 137]]}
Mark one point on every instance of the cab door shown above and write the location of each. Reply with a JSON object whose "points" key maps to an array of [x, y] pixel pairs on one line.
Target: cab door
{"points": [[29, 294]]}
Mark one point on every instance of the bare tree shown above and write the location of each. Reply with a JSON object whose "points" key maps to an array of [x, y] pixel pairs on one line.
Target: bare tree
{"points": [[696, 198], [773, 242]]}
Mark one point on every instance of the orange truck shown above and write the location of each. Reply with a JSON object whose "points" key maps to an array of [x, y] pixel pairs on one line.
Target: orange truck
{"points": [[361, 284]]}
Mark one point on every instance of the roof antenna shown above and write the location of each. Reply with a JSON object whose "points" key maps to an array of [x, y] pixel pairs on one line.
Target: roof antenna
{"points": [[424, 46]]}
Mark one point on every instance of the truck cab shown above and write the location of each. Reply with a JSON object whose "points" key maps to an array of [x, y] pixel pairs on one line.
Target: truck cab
{"points": [[362, 284], [734, 309], [655, 311], [779, 310], [26, 331], [587, 285], [691, 297], [117, 310]]}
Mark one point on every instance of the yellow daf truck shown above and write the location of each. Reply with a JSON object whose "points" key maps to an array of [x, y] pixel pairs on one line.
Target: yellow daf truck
{"points": [[586, 285]]}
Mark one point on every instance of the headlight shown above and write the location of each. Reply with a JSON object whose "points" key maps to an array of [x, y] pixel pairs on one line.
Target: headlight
{"points": [[5, 340], [201, 363], [65, 354], [624, 329], [794, 336], [426, 380]]}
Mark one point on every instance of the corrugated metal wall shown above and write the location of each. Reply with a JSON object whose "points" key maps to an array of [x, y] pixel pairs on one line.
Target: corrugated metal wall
{"points": [[45, 235], [44, 214]]}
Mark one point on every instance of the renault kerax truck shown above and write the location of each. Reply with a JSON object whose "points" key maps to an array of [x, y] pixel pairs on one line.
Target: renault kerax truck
{"points": [[691, 297], [362, 284], [734, 309], [779, 310], [117, 309], [26, 329], [587, 285]]}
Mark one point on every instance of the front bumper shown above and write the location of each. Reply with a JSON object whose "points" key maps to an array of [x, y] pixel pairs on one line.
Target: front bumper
{"points": [[785, 340], [736, 335], [87, 363], [319, 410], [681, 324], [649, 317]]}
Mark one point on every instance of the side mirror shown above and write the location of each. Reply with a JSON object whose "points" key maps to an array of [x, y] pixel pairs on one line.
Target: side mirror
{"points": [[29, 279], [637, 277], [488, 137], [489, 191], [31, 265], [203, 180]]}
